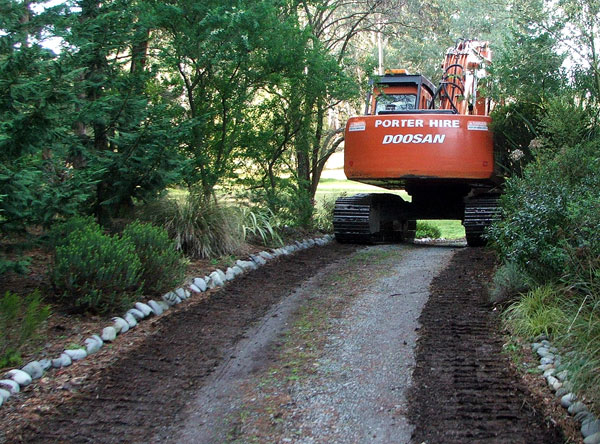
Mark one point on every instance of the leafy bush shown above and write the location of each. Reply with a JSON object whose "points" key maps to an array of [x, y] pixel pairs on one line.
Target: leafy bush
{"points": [[162, 266], [260, 225], [427, 230], [200, 227], [20, 320], [537, 312], [96, 272]]}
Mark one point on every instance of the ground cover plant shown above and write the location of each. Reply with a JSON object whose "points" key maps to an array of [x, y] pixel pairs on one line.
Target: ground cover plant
{"points": [[20, 319]]}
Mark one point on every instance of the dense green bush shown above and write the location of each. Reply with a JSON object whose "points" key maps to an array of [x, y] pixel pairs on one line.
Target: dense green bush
{"points": [[162, 266], [59, 234], [427, 230], [20, 320], [96, 272]]}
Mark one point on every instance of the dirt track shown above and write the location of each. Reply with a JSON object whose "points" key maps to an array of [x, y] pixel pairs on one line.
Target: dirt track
{"points": [[463, 392]]}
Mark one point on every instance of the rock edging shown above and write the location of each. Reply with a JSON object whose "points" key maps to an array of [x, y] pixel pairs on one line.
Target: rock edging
{"points": [[16, 379], [558, 382]]}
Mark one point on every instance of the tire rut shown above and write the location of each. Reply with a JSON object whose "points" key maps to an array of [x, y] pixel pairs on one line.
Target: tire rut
{"points": [[464, 389]]}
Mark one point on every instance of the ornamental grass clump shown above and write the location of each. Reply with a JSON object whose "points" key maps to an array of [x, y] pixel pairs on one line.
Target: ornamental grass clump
{"points": [[200, 227], [540, 311], [260, 226]]}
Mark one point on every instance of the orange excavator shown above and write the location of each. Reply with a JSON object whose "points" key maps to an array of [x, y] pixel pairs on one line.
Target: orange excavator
{"points": [[434, 143]]}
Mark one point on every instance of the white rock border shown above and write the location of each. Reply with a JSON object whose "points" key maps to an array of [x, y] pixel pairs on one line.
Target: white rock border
{"points": [[16, 379], [563, 390]]}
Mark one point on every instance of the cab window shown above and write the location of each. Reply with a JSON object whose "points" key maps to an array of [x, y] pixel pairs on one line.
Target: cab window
{"points": [[395, 102]]}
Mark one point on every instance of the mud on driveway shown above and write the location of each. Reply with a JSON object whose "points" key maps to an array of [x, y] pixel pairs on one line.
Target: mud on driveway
{"points": [[313, 348]]}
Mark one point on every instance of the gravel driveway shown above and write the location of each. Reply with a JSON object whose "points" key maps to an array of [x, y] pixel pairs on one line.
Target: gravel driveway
{"points": [[341, 351]]}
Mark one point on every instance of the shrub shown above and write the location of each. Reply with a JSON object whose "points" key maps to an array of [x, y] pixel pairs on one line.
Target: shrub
{"points": [[508, 282], [260, 225], [59, 233], [162, 266], [96, 272], [323, 216], [537, 312], [20, 320], [427, 230], [200, 227]]}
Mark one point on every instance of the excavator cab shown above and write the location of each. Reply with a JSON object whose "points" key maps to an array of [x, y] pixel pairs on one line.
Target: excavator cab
{"points": [[398, 92]]}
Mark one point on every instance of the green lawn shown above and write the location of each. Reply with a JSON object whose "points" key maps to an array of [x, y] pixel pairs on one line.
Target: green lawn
{"points": [[450, 229]]}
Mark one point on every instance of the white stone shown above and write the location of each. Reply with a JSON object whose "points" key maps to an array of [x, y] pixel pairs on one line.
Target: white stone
{"points": [[10, 385], [200, 283], [547, 360], [592, 439], [562, 375], [93, 344], [229, 274], [246, 265], [577, 407], [109, 334], [144, 308], [257, 259], [130, 319], [237, 270], [34, 369], [76, 354], [221, 274], [63, 361], [171, 298], [137, 314], [545, 367], [45, 364], [4, 395], [562, 391], [543, 351], [156, 308], [120, 325], [181, 293], [590, 427], [195, 289], [215, 279], [549, 372], [163, 305], [266, 255], [567, 400], [20, 377]]}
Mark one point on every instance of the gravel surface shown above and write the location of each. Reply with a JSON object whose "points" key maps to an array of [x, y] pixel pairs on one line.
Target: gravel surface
{"points": [[353, 390]]}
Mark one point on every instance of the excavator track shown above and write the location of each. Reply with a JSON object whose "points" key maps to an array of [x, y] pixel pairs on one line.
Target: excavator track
{"points": [[480, 213], [372, 218], [351, 219]]}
